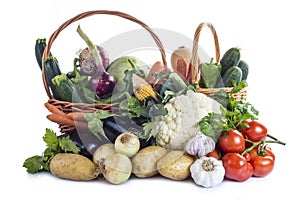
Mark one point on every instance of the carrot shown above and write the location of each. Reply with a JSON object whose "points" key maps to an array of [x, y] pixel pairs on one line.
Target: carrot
{"points": [[61, 119], [77, 116], [53, 109], [64, 120]]}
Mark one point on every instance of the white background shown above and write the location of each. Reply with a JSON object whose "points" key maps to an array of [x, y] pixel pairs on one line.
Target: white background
{"points": [[267, 32]]}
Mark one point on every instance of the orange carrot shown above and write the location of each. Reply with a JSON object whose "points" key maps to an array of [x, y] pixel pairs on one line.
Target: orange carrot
{"points": [[77, 116], [53, 109], [61, 119], [64, 120]]}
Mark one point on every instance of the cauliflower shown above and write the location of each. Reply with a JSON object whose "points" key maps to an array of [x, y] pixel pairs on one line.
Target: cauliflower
{"points": [[176, 128]]}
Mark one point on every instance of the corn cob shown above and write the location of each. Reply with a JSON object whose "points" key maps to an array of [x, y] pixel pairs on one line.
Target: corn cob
{"points": [[142, 89]]}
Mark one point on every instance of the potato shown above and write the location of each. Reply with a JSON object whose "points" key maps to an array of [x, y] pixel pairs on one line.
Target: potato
{"points": [[144, 162], [73, 167], [175, 165]]}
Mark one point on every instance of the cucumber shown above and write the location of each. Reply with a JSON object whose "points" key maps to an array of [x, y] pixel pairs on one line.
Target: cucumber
{"points": [[66, 89], [234, 73], [245, 69], [230, 58]]}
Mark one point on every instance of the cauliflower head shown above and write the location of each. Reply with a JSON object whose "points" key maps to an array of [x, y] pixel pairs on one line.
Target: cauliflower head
{"points": [[176, 128]]}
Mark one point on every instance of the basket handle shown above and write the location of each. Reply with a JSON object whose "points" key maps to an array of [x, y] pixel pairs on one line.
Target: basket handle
{"points": [[196, 69], [87, 14]]}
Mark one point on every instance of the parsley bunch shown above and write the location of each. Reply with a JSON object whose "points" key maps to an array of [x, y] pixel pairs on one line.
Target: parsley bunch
{"points": [[233, 113], [55, 145]]}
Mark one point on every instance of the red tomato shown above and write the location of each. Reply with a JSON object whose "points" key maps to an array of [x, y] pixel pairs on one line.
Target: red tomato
{"points": [[262, 164], [236, 167], [268, 152], [232, 142], [255, 132]]}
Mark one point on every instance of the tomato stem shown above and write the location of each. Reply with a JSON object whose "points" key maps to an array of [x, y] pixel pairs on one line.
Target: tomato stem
{"points": [[272, 137], [255, 144]]}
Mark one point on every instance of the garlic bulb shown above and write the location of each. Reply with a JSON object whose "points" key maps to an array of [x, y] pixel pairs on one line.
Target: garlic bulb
{"points": [[200, 145], [207, 171]]}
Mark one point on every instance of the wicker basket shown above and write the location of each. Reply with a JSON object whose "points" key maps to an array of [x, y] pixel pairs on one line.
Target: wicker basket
{"points": [[195, 70], [68, 107]]}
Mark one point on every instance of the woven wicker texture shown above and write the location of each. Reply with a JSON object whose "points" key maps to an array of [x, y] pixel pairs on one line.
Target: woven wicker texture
{"points": [[68, 107], [196, 70]]}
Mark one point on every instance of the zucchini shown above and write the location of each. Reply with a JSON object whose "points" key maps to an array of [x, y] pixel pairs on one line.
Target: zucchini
{"points": [[245, 69], [66, 89], [39, 48], [50, 74], [51, 67], [234, 73], [230, 58]]}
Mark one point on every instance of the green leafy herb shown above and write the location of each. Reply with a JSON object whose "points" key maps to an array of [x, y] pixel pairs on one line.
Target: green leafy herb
{"points": [[238, 111], [239, 87], [66, 145], [54, 145], [147, 129], [51, 139], [232, 114], [213, 125], [34, 164], [95, 123], [133, 108]]}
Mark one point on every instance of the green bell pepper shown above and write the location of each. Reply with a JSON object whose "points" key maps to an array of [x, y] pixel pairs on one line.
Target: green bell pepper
{"points": [[209, 74]]}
